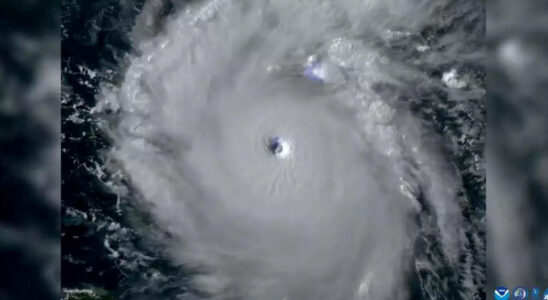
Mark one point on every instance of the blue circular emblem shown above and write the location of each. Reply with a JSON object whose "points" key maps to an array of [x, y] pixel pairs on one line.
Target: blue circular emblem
{"points": [[519, 293]]}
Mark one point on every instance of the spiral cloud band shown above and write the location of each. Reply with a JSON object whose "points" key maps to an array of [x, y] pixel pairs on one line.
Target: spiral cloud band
{"points": [[255, 135]]}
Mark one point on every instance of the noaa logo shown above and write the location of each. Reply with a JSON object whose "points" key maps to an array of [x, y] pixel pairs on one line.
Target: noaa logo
{"points": [[502, 293], [520, 293]]}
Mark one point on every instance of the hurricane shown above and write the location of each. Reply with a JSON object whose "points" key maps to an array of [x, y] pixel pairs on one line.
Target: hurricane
{"points": [[292, 150]]}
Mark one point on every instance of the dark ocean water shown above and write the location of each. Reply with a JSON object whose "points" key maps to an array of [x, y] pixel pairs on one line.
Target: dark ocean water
{"points": [[95, 37], [103, 244]]}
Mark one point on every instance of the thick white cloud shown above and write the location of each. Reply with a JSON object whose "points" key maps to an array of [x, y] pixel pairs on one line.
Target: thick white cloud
{"points": [[331, 218]]}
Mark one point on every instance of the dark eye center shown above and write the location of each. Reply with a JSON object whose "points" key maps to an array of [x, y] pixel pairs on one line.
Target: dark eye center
{"points": [[278, 147], [275, 145]]}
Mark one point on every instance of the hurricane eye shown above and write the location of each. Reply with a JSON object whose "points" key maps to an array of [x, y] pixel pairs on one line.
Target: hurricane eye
{"points": [[278, 147]]}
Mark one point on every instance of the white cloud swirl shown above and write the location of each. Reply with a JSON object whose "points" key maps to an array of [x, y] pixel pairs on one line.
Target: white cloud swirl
{"points": [[330, 216]]}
